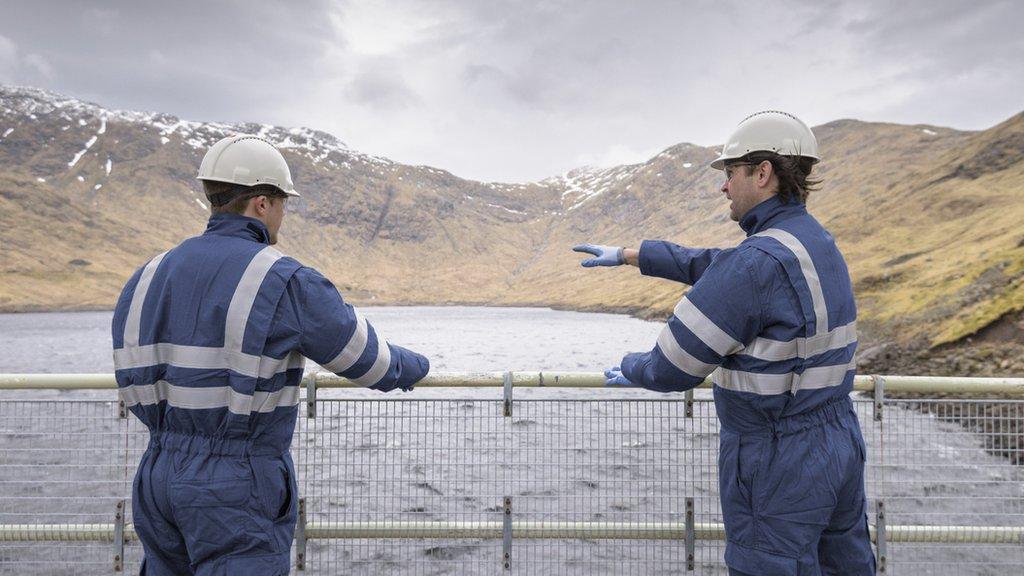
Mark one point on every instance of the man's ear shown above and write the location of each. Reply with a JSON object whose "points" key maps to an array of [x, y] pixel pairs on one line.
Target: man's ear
{"points": [[764, 172], [261, 204]]}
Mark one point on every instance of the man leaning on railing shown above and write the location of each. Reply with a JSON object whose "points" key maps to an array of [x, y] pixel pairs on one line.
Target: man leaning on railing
{"points": [[209, 345], [773, 320]]}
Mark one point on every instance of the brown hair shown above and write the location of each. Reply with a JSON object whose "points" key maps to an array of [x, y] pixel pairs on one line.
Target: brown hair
{"points": [[228, 198], [793, 173]]}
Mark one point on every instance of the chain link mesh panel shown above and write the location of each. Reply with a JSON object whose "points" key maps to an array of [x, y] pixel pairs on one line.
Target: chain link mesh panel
{"points": [[435, 485]]}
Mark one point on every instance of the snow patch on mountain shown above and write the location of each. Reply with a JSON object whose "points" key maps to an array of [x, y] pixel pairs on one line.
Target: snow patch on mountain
{"points": [[314, 144], [505, 208], [583, 184]]}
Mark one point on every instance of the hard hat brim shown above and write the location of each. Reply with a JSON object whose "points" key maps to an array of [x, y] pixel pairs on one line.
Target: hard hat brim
{"points": [[291, 192]]}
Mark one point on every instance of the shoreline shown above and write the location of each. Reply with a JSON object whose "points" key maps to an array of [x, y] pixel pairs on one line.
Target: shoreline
{"points": [[631, 311]]}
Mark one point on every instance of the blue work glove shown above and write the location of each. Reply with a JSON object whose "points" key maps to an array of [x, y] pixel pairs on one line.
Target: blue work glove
{"points": [[606, 255], [615, 379]]}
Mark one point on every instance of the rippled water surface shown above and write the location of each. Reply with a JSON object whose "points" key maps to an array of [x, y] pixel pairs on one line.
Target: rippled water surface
{"points": [[438, 455], [454, 338]]}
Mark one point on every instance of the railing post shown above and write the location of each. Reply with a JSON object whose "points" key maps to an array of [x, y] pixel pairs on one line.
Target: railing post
{"points": [[119, 536], [122, 409], [506, 533], [690, 535], [689, 403], [311, 395], [879, 396], [300, 537], [880, 535], [508, 395]]}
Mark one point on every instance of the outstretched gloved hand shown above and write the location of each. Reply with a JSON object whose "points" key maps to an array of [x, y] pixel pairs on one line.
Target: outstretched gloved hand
{"points": [[605, 255], [614, 378]]}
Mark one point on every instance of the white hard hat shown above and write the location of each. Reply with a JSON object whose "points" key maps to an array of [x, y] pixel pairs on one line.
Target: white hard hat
{"points": [[769, 131], [247, 160]]}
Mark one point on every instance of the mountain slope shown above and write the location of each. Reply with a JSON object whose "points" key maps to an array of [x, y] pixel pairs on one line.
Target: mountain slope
{"points": [[928, 217]]}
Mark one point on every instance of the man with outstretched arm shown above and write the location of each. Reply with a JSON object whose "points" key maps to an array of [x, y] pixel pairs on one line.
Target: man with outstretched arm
{"points": [[210, 340], [773, 321]]}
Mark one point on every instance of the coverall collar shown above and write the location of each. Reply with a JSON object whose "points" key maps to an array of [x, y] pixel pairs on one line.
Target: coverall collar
{"points": [[768, 213], [238, 226]]}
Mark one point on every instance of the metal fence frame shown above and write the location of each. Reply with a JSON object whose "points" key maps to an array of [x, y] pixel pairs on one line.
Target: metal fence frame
{"points": [[118, 532]]}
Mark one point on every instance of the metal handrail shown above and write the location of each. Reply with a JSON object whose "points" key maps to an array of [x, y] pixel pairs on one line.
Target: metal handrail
{"points": [[521, 529], [1005, 387]]}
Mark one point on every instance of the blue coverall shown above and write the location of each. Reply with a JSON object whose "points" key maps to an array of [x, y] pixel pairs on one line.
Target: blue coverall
{"points": [[210, 340], [773, 320]]}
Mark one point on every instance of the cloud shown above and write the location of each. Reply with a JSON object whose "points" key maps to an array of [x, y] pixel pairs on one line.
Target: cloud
{"points": [[519, 91], [39, 65], [101, 20], [616, 155], [15, 69], [8, 59], [382, 88], [378, 28]]}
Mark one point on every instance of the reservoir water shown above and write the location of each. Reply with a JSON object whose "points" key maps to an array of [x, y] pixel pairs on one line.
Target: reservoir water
{"points": [[564, 455], [455, 338]]}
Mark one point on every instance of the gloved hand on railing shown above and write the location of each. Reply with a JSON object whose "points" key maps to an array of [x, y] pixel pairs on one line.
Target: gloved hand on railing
{"points": [[606, 255], [615, 379]]}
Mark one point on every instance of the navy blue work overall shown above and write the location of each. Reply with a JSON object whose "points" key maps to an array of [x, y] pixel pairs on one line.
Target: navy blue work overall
{"points": [[773, 321], [210, 340]]}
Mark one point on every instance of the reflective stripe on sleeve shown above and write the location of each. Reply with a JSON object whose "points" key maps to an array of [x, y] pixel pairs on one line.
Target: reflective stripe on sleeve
{"points": [[353, 348], [708, 332], [679, 357], [380, 365]]}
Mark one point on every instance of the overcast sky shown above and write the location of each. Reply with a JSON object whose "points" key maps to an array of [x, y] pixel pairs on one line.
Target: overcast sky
{"points": [[518, 91]]}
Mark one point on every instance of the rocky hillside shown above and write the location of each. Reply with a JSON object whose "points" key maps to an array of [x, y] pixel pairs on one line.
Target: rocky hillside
{"points": [[928, 217]]}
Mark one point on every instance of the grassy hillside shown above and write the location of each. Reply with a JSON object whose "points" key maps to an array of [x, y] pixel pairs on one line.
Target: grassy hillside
{"points": [[928, 218]]}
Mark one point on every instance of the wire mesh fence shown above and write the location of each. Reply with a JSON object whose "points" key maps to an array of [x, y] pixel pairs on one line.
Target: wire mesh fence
{"points": [[560, 481], [950, 463]]}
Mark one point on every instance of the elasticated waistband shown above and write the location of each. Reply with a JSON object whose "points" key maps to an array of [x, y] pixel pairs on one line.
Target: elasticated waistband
{"points": [[831, 411], [219, 445]]}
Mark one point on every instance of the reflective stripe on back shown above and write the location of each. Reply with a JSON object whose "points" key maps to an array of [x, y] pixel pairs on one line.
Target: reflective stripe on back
{"points": [[809, 271], [211, 398], [229, 357], [777, 350], [820, 341], [201, 357], [245, 295], [765, 384], [133, 323]]}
